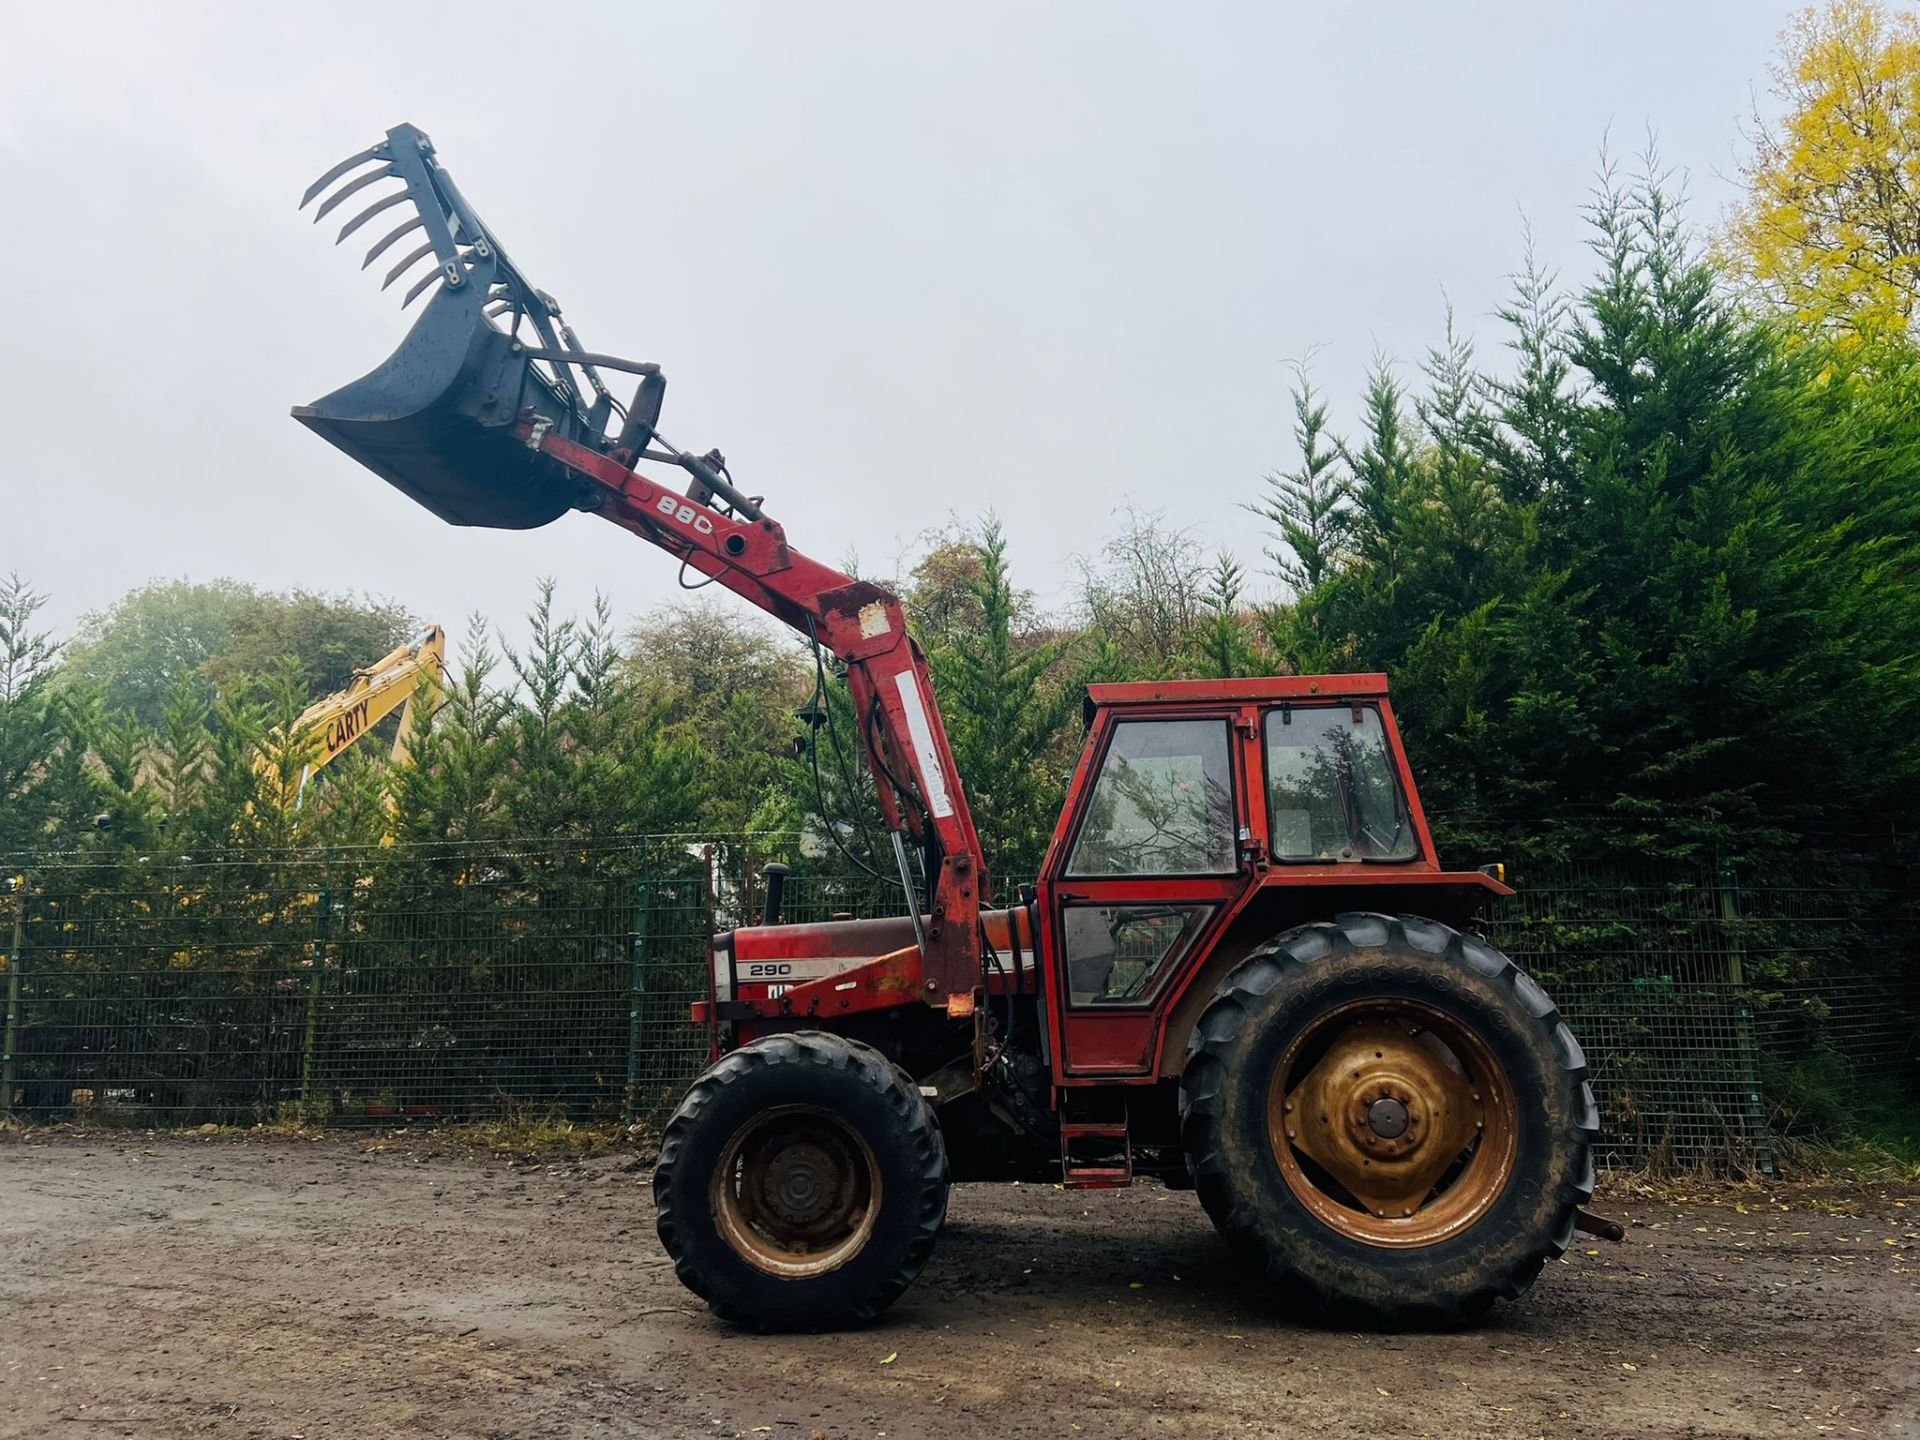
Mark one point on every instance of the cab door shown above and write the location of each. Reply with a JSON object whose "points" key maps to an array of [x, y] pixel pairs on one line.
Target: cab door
{"points": [[1152, 865]]}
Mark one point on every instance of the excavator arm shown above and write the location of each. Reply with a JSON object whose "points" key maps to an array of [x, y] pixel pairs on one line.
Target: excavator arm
{"points": [[329, 727], [492, 413]]}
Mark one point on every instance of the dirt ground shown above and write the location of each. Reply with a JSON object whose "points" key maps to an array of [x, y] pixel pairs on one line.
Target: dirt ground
{"points": [[213, 1286]]}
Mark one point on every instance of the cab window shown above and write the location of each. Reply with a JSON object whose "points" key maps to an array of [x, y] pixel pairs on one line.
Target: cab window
{"points": [[1115, 953], [1332, 788], [1163, 804]]}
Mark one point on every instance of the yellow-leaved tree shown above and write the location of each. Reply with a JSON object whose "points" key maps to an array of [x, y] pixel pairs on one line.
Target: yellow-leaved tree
{"points": [[1830, 226]]}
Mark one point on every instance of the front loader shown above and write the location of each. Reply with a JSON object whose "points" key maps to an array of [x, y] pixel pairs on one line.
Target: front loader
{"points": [[1241, 969]]}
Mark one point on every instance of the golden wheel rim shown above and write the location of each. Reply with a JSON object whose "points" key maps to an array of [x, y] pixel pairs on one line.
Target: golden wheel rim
{"points": [[796, 1192], [1392, 1122]]}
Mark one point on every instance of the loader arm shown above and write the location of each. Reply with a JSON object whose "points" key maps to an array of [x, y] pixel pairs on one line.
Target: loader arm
{"points": [[332, 725], [492, 413], [903, 737]]}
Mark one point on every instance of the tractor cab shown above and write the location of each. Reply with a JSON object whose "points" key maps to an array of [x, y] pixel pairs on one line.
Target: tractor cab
{"points": [[1204, 816]]}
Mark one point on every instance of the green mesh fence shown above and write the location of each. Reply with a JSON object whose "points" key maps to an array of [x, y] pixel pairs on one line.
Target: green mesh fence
{"points": [[1705, 1003], [459, 983], [449, 983]]}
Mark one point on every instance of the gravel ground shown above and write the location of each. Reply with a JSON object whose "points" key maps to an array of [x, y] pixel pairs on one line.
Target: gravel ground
{"points": [[229, 1287]]}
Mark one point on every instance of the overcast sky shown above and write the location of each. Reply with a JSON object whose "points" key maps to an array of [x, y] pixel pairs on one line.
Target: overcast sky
{"points": [[900, 261]]}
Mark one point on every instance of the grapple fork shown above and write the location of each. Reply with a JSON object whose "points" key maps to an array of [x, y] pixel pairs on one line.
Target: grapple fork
{"points": [[488, 352]]}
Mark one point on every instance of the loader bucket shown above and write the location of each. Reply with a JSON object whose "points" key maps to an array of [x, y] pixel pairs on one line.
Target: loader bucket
{"points": [[437, 419]]}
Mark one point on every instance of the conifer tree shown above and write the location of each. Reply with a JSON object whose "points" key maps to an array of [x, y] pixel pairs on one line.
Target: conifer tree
{"points": [[461, 753], [27, 715], [1308, 505], [1381, 468], [1226, 649], [1535, 409], [538, 790], [629, 770], [1005, 705]]}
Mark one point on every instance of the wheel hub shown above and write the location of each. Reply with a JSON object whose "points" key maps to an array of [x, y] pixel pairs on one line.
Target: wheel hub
{"points": [[1389, 1104], [804, 1185], [797, 1192], [1387, 1118]]}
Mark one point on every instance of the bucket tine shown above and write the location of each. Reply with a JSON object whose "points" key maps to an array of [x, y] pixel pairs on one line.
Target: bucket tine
{"points": [[351, 188], [372, 152], [386, 203], [381, 245], [422, 284], [406, 264]]}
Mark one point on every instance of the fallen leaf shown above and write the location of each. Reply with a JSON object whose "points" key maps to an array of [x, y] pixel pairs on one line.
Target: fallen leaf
{"points": [[1628, 1365], [892, 1356]]}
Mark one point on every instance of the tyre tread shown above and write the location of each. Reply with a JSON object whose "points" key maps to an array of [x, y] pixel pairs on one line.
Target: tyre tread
{"points": [[872, 1071], [1209, 1065]]}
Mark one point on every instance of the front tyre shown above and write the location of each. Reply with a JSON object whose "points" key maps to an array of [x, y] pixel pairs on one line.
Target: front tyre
{"points": [[801, 1183], [1388, 1118]]}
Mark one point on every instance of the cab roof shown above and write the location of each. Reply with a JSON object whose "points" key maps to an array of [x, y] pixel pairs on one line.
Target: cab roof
{"points": [[1273, 687]]}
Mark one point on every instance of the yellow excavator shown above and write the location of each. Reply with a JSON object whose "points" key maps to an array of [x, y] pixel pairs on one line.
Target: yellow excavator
{"points": [[406, 676]]}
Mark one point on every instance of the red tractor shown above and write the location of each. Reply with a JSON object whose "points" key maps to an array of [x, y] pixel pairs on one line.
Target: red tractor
{"points": [[1242, 968]]}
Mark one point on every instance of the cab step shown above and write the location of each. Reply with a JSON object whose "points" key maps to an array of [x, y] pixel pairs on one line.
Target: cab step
{"points": [[1103, 1174]]}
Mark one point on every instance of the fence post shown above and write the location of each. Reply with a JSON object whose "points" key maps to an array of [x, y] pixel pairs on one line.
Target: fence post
{"points": [[709, 906], [16, 957], [636, 991], [1747, 1049], [318, 953]]}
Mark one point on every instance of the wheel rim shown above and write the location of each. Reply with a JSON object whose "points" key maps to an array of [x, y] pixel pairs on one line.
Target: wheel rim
{"points": [[796, 1192], [1392, 1122]]}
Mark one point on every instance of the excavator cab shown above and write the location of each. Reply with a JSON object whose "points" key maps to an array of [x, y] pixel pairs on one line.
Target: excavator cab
{"points": [[489, 352]]}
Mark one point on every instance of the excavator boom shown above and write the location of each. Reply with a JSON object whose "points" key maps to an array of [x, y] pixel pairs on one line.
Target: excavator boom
{"points": [[330, 726], [492, 413]]}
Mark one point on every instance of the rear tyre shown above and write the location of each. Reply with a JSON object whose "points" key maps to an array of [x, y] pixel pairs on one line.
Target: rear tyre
{"points": [[1389, 1120], [801, 1184]]}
